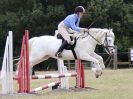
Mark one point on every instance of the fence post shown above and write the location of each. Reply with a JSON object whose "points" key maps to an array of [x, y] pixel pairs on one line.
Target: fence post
{"points": [[7, 66], [23, 74]]}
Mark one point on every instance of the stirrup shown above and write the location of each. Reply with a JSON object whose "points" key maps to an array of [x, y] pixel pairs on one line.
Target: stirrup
{"points": [[59, 55]]}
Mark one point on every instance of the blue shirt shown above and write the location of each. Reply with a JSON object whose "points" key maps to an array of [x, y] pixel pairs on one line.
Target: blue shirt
{"points": [[70, 22]]}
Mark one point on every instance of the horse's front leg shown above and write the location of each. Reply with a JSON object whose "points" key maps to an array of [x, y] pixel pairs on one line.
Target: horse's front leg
{"points": [[98, 57], [96, 68], [87, 57]]}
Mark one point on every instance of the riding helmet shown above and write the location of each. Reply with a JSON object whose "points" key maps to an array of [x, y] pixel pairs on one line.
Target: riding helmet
{"points": [[79, 9]]}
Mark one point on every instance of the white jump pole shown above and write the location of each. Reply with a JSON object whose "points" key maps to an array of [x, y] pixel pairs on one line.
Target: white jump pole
{"points": [[7, 66], [63, 70]]}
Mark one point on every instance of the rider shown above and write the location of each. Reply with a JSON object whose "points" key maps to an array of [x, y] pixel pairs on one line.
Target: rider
{"points": [[70, 22]]}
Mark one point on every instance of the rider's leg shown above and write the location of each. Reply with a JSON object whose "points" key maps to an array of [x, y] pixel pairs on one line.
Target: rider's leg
{"points": [[64, 32], [59, 52]]}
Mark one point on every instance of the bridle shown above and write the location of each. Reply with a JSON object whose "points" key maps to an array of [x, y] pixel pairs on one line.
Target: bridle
{"points": [[106, 46]]}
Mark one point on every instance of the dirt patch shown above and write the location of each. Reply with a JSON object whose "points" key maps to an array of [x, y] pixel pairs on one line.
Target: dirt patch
{"points": [[72, 89]]}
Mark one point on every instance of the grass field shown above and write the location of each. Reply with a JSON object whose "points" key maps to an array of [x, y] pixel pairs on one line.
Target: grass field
{"points": [[113, 84]]}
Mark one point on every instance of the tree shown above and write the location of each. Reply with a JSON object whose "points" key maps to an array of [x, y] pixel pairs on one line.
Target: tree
{"points": [[41, 17]]}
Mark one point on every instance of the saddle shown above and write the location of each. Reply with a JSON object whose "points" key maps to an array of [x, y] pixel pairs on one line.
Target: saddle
{"points": [[69, 46]]}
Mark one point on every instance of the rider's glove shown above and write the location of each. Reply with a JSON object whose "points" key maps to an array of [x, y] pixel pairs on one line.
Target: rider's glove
{"points": [[84, 30]]}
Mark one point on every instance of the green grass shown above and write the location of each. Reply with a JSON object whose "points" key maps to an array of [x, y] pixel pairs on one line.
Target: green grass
{"points": [[113, 84]]}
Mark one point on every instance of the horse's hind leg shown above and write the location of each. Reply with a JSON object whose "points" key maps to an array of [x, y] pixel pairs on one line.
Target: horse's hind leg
{"points": [[34, 61]]}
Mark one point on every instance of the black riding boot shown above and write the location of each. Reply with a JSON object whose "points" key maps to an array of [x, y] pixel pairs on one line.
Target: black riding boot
{"points": [[59, 52]]}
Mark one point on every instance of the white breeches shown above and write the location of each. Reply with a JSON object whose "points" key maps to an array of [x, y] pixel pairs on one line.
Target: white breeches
{"points": [[63, 30]]}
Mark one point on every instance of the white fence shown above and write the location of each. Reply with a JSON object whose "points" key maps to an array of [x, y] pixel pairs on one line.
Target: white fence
{"points": [[7, 67]]}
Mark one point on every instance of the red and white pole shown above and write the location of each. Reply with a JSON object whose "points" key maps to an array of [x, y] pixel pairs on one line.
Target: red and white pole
{"points": [[23, 69], [80, 74]]}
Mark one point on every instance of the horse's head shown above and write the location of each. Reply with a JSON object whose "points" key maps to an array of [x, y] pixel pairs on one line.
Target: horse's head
{"points": [[109, 42], [104, 37]]}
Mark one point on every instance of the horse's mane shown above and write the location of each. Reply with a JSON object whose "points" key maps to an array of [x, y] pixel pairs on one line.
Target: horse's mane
{"points": [[110, 31]]}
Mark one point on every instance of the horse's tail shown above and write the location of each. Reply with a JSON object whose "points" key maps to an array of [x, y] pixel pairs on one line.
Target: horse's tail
{"points": [[18, 59], [30, 43]]}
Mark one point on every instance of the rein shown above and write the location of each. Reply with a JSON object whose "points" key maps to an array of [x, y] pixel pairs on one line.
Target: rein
{"points": [[106, 47], [94, 38]]}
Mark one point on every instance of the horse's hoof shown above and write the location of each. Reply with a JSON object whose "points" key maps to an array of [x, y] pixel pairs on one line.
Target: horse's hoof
{"points": [[101, 73], [97, 76]]}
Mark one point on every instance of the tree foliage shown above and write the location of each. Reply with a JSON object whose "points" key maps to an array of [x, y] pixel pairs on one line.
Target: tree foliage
{"points": [[41, 17]]}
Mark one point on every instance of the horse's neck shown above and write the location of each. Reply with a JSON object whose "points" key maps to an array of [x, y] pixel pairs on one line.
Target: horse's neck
{"points": [[99, 34], [87, 42]]}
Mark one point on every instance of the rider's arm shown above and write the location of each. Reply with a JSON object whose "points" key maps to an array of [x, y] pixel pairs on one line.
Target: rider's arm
{"points": [[70, 20], [76, 28], [73, 26]]}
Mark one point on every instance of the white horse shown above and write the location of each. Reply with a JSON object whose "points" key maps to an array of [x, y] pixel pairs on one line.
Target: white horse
{"points": [[43, 47]]}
